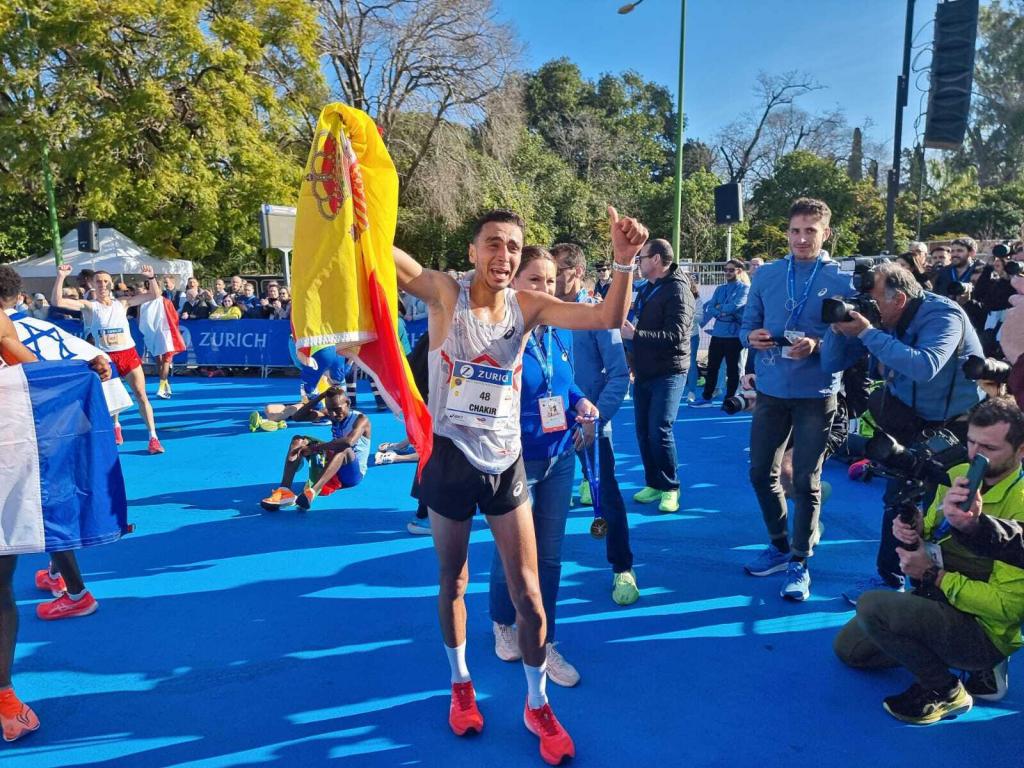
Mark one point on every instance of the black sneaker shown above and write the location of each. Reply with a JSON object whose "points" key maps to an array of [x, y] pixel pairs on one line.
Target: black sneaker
{"points": [[988, 684], [919, 706]]}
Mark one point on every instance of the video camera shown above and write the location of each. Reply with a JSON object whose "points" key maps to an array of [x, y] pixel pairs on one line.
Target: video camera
{"points": [[837, 309], [1008, 249], [987, 369]]}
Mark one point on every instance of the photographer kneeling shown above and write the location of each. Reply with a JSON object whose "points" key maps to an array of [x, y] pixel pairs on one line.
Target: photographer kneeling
{"points": [[921, 346], [967, 610]]}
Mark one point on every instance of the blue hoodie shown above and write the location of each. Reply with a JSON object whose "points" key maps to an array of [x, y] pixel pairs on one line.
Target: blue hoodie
{"points": [[726, 307], [538, 444], [922, 365], [766, 308], [601, 370]]}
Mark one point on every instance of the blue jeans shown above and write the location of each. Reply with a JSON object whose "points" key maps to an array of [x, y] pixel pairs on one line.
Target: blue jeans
{"points": [[655, 408], [808, 420], [550, 484], [610, 503], [693, 374]]}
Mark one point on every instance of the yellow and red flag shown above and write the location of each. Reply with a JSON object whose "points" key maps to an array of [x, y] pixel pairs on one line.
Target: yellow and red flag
{"points": [[344, 288]]}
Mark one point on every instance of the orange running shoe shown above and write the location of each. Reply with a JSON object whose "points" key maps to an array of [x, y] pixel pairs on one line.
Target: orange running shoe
{"points": [[154, 446], [46, 582], [463, 715], [305, 499], [555, 744], [278, 499], [66, 608], [16, 718], [118, 437]]}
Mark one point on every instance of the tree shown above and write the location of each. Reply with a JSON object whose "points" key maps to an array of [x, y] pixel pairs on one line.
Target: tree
{"points": [[437, 58], [995, 136], [855, 163], [170, 121]]}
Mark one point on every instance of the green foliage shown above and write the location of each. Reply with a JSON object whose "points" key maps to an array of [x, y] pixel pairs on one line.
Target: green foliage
{"points": [[169, 121]]}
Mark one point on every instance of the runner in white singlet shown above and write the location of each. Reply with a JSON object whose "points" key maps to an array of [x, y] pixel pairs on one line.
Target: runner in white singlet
{"points": [[106, 319], [477, 335]]}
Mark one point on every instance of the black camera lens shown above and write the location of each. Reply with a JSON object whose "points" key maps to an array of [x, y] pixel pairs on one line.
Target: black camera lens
{"points": [[987, 369]]}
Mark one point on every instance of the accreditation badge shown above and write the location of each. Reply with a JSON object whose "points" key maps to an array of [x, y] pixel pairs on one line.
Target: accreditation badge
{"points": [[792, 337], [552, 414]]}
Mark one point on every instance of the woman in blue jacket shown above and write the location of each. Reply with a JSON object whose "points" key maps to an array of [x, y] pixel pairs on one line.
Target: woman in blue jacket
{"points": [[726, 308], [551, 405]]}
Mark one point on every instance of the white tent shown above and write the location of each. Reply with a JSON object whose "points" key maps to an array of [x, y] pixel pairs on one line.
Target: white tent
{"points": [[118, 255]]}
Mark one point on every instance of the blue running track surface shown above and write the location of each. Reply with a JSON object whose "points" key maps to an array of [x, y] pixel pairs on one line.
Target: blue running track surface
{"points": [[227, 636]]}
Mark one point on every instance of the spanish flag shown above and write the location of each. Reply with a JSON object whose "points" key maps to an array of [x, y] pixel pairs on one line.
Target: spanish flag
{"points": [[344, 289]]}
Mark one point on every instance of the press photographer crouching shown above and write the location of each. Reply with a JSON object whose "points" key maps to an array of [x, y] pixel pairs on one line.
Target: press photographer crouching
{"points": [[966, 609], [920, 346]]}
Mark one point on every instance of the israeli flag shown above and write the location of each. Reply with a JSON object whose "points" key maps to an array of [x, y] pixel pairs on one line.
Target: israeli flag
{"points": [[60, 478]]}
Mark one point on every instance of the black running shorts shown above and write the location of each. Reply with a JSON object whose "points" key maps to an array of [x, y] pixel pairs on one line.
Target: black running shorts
{"points": [[454, 488]]}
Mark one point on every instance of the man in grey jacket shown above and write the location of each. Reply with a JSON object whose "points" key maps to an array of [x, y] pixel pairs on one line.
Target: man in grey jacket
{"points": [[602, 374]]}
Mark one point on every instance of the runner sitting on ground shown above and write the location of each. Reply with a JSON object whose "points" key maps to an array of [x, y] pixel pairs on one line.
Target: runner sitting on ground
{"points": [[345, 456]]}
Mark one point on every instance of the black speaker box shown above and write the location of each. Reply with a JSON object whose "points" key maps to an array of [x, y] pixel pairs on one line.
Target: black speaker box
{"points": [[88, 237], [949, 98], [729, 204]]}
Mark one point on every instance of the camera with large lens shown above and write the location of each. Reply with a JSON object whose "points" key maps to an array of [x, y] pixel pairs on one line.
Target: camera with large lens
{"points": [[837, 309], [745, 400], [920, 467], [987, 369], [928, 460], [956, 289]]}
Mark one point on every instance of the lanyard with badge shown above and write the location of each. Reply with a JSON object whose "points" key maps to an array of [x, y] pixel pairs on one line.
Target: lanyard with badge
{"points": [[645, 296], [552, 408], [794, 307]]}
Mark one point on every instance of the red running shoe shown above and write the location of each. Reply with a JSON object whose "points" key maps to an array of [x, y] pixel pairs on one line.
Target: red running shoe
{"points": [[463, 715], [555, 744], [16, 717], [66, 608], [47, 583], [154, 446], [118, 437]]}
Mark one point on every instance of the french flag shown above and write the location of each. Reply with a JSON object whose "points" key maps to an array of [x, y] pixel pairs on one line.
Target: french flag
{"points": [[61, 485]]}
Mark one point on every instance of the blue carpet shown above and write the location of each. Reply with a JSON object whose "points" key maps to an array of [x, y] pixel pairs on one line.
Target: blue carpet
{"points": [[228, 636]]}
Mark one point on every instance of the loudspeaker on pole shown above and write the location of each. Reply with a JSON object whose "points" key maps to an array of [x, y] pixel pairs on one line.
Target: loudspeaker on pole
{"points": [[729, 203], [88, 237], [952, 74]]}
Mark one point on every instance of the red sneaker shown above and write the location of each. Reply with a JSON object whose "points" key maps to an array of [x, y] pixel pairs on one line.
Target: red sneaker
{"points": [[16, 717], [118, 437], [66, 608], [555, 744], [46, 582], [154, 446], [463, 714]]}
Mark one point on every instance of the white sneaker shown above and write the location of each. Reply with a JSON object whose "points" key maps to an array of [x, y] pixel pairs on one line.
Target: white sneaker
{"points": [[506, 642], [560, 671]]}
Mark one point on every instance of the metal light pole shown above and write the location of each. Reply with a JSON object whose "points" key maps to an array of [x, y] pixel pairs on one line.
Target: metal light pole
{"points": [[902, 89], [678, 196]]}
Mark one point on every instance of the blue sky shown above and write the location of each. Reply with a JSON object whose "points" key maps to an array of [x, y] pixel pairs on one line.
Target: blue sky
{"points": [[854, 47]]}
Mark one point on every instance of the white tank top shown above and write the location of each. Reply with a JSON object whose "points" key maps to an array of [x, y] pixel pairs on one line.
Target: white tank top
{"points": [[108, 324], [475, 385]]}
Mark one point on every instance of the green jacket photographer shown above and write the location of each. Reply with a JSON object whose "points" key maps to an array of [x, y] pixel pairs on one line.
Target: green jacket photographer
{"points": [[990, 590]]}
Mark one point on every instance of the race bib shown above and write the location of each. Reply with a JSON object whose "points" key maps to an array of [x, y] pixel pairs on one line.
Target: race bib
{"points": [[793, 337], [480, 396], [552, 414], [110, 337]]}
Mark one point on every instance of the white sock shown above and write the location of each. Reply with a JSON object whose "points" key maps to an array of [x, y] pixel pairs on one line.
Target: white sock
{"points": [[76, 598], [152, 434], [457, 660], [537, 684]]}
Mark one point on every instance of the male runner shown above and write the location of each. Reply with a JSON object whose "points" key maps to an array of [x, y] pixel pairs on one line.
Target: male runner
{"points": [[477, 333], [107, 321]]}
